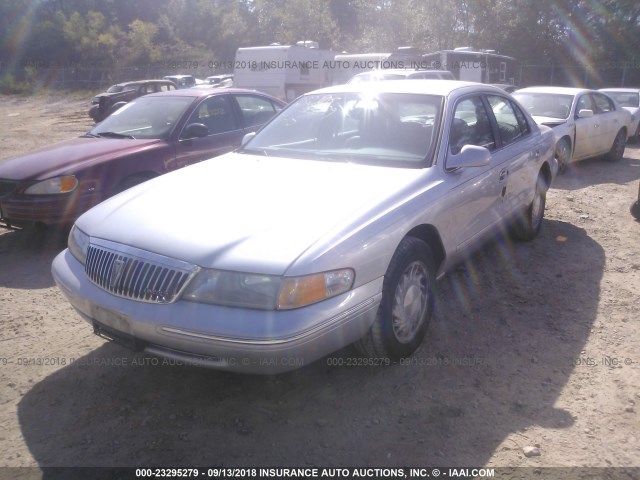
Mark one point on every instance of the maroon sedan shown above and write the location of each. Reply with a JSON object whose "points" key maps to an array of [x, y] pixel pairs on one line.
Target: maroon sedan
{"points": [[147, 137]]}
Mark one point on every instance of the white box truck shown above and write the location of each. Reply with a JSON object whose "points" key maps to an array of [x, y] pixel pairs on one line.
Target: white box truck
{"points": [[284, 71]]}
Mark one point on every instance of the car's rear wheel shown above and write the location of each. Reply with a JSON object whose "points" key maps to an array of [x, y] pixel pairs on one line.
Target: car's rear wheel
{"points": [[528, 223], [563, 154], [617, 149], [406, 306]]}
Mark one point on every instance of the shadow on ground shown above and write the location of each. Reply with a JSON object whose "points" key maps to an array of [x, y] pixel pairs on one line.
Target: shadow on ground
{"points": [[507, 331], [596, 171], [26, 256]]}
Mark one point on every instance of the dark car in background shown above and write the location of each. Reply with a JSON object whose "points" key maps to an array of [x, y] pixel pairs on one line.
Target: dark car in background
{"points": [[118, 95], [147, 137], [182, 81]]}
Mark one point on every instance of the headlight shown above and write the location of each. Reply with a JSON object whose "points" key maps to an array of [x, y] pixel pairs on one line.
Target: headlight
{"points": [[266, 292], [78, 244], [301, 291], [53, 186], [234, 289]]}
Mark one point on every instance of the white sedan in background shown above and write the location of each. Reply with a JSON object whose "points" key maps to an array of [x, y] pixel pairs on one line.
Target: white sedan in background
{"points": [[629, 99], [586, 123], [330, 226], [401, 74]]}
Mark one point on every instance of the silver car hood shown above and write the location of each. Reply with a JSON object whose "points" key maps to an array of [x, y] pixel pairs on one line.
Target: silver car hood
{"points": [[250, 213]]}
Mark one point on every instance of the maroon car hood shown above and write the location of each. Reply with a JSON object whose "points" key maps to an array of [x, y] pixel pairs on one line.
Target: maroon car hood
{"points": [[70, 156]]}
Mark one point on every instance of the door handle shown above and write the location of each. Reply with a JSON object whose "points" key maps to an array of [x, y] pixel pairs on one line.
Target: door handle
{"points": [[503, 174]]}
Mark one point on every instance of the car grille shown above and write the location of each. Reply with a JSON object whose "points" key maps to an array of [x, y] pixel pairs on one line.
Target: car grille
{"points": [[7, 186], [136, 274]]}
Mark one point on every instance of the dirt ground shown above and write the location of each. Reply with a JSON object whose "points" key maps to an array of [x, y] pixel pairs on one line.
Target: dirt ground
{"points": [[532, 345]]}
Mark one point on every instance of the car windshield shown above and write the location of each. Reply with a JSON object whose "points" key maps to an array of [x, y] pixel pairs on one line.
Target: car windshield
{"points": [[626, 99], [390, 129], [550, 105], [144, 117]]}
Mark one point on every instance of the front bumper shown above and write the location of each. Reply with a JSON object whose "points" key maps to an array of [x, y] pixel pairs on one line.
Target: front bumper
{"points": [[61, 209], [234, 339]]}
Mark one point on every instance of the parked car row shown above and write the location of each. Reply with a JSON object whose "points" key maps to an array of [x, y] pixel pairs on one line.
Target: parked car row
{"points": [[329, 226], [104, 104], [586, 123]]}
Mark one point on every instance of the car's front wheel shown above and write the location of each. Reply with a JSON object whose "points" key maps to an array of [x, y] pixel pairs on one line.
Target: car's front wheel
{"points": [[617, 149], [563, 154], [407, 303]]}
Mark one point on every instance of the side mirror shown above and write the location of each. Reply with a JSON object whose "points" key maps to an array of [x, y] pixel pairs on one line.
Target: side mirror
{"points": [[247, 137], [469, 156], [195, 130], [585, 113]]}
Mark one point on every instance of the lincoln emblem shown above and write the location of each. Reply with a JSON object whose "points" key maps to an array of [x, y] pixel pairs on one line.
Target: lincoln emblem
{"points": [[116, 272]]}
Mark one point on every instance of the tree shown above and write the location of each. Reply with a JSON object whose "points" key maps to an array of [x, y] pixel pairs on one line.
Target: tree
{"points": [[142, 50]]}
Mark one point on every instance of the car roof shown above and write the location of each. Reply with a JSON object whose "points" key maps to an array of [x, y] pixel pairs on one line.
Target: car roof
{"points": [[140, 82], [196, 92], [417, 86], [554, 90], [398, 71], [622, 89]]}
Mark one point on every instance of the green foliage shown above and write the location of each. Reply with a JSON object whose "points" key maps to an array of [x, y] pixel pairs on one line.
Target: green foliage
{"points": [[142, 49], [125, 33]]}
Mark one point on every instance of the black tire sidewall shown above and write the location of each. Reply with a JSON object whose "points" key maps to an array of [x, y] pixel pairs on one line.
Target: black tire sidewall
{"points": [[523, 228], [562, 165], [613, 155], [635, 209], [410, 250]]}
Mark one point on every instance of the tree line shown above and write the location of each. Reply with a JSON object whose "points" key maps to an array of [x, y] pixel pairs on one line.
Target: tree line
{"points": [[117, 33]]}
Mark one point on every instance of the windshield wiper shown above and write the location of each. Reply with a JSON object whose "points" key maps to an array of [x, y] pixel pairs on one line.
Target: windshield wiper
{"points": [[114, 135], [90, 135]]}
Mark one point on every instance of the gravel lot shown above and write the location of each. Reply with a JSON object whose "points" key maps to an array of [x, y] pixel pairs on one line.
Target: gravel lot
{"points": [[532, 345]]}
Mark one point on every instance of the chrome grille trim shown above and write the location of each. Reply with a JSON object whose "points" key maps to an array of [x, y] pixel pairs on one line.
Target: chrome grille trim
{"points": [[137, 274]]}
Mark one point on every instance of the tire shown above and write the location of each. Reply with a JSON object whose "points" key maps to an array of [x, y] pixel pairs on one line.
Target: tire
{"points": [[617, 149], [563, 155], [407, 303], [527, 225], [635, 209], [94, 113]]}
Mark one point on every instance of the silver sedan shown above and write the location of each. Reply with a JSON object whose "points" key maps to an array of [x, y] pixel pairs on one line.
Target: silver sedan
{"points": [[586, 123], [629, 99], [329, 227]]}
